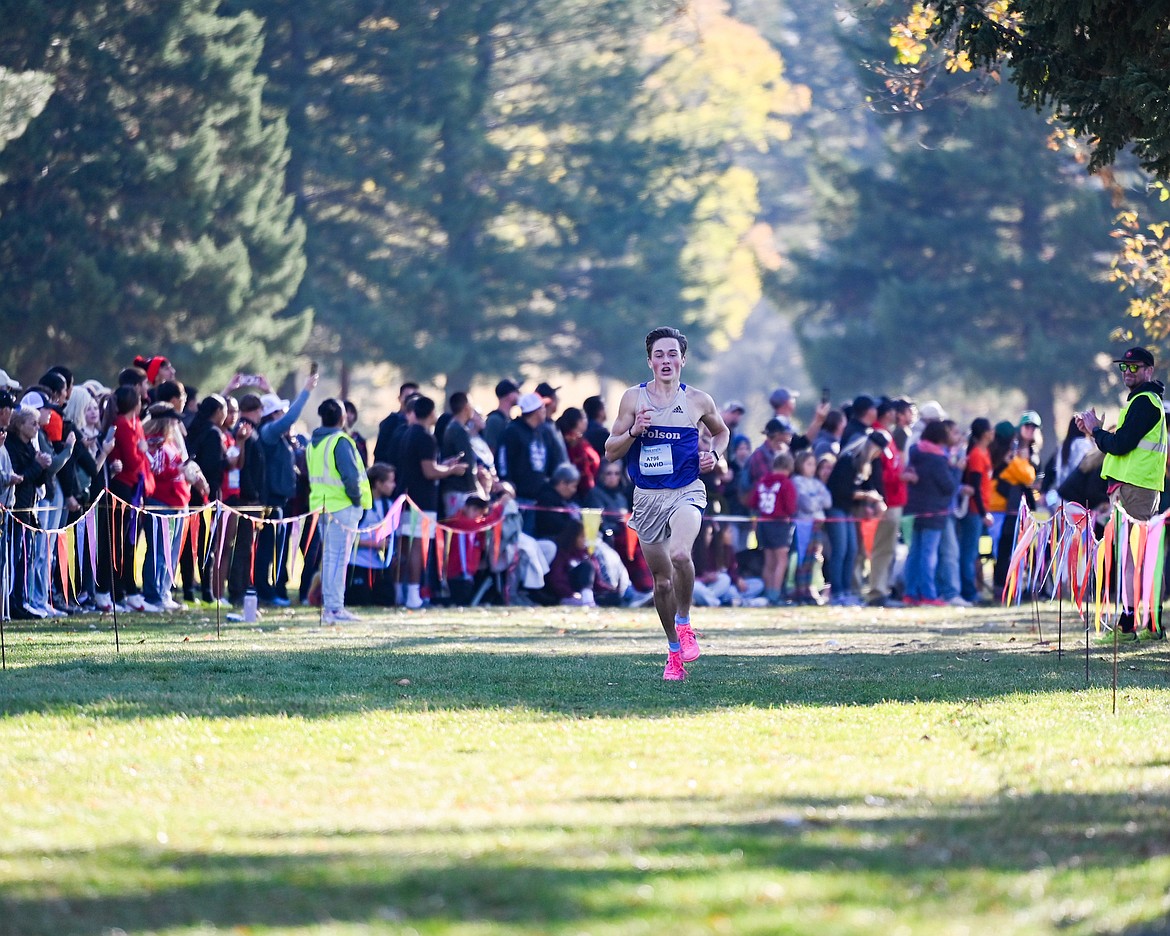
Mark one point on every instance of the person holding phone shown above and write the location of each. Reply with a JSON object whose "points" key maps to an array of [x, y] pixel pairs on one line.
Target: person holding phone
{"points": [[280, 485], [420, 470], [1135, 454]]}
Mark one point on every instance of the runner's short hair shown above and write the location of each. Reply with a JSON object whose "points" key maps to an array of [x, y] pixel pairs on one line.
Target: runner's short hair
{"points": [[665, 331]]}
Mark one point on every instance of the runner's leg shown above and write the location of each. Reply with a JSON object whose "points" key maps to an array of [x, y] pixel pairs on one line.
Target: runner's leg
{"points": [[658, 559], [684, 529]]}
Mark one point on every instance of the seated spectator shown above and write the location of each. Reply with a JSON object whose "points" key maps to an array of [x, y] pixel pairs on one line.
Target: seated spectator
{"points": [[613, 498], [555, 506], [719, 580], [369, 581], [574, 578], [465, 557]]}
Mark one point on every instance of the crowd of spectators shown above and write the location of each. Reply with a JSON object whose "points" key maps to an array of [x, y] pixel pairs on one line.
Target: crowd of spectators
{"points": [[879, 501]]}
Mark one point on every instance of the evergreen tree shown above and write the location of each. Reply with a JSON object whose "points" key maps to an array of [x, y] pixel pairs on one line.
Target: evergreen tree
{"points": [[144, 211], [1100, 66], [488, 182], [971, 250]]}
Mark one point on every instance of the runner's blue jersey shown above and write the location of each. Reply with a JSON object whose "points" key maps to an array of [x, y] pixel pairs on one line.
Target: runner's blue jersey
{"points": [[666, 454]]}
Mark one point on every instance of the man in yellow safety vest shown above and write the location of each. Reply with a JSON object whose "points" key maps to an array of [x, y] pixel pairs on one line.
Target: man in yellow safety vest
{"points": [[1135, 454], [339, 488]]}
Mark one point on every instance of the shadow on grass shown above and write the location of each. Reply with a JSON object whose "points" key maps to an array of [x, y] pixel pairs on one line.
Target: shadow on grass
{"points": [[554, 676], [845, 855]]}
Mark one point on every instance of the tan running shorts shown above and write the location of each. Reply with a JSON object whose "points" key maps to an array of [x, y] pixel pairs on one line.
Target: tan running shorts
{"points": [[654, 508]]}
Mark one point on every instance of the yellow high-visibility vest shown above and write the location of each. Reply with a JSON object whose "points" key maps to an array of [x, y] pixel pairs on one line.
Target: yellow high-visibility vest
{"points": [[1145, 466], [326, 489]]}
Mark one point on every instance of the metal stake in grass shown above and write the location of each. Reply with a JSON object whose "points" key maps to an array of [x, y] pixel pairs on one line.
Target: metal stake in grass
{"points": [[1059, 623], [1085, 618]]}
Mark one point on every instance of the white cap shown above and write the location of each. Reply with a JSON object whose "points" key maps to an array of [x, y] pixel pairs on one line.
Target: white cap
{"points": [[271, 403], [33, 400], [6, 381], [931, 411], [530, 403]]}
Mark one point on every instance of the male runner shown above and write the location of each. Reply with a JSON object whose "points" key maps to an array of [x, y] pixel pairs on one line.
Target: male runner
{"points": [[657, 431]]}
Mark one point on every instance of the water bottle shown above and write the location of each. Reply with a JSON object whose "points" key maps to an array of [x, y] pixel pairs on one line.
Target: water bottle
{"points": [[250, 604]]}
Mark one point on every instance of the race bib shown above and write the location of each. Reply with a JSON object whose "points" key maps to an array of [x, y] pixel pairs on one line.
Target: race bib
{"points": [[656, 460]]}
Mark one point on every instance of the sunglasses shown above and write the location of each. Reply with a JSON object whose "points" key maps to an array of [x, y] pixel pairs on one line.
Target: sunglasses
{"points": [[1130, 368]]}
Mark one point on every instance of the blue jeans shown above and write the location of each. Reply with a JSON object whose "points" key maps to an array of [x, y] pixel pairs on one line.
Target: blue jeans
{"points": [[970, 533], [842, 533], [947, 577], [922, 563]]}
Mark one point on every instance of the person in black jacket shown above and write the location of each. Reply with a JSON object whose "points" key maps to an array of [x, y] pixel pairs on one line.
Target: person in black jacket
{"points": [[855, 483], [252, 474], [205, 447], [32, 468], [524, 458]]}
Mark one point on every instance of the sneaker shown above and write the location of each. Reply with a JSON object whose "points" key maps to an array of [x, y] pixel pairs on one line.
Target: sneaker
{"points": [[690, 647], [675, 671], [54, 612], [33, 612], [234, 618], [1146, 634], [931, 603], [758, 602], [135, 602], [340, 616], [413, 603], [148, 608], [1123, 636], [103, 602], [278, 602], [959, 602], [169, 604]]}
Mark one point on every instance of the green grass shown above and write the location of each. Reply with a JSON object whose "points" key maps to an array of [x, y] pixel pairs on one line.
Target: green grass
{"points": [[527, 771]]}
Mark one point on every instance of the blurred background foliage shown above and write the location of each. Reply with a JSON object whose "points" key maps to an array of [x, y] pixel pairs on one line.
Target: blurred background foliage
{"points": [[847, 194]]}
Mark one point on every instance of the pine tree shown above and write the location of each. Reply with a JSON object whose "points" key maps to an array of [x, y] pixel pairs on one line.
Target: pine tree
{"points": [[1100, 66], [971, 250], [143, 212]]}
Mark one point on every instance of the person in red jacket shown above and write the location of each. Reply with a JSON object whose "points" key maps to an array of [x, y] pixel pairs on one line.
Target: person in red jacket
{"points": [[774, 498], [172, 494], [468, 542], [891, 415], [130, 485]]}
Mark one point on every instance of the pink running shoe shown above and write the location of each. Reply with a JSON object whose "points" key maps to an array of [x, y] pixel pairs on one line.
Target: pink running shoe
{"points": [[674, 668], [686, 638]]}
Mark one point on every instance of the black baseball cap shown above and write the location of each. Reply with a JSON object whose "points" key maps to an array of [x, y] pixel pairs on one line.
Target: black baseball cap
{"points": [[504, 387], [1136, 356], [546, 390]]}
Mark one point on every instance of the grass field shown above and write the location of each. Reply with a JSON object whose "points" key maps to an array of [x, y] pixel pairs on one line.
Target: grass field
{"points": [[527, 771]]}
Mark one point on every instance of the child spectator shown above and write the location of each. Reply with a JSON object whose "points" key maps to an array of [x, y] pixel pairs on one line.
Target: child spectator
{"points": [[812, 500], [370, 582], [468, 542], [774, 497]]}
